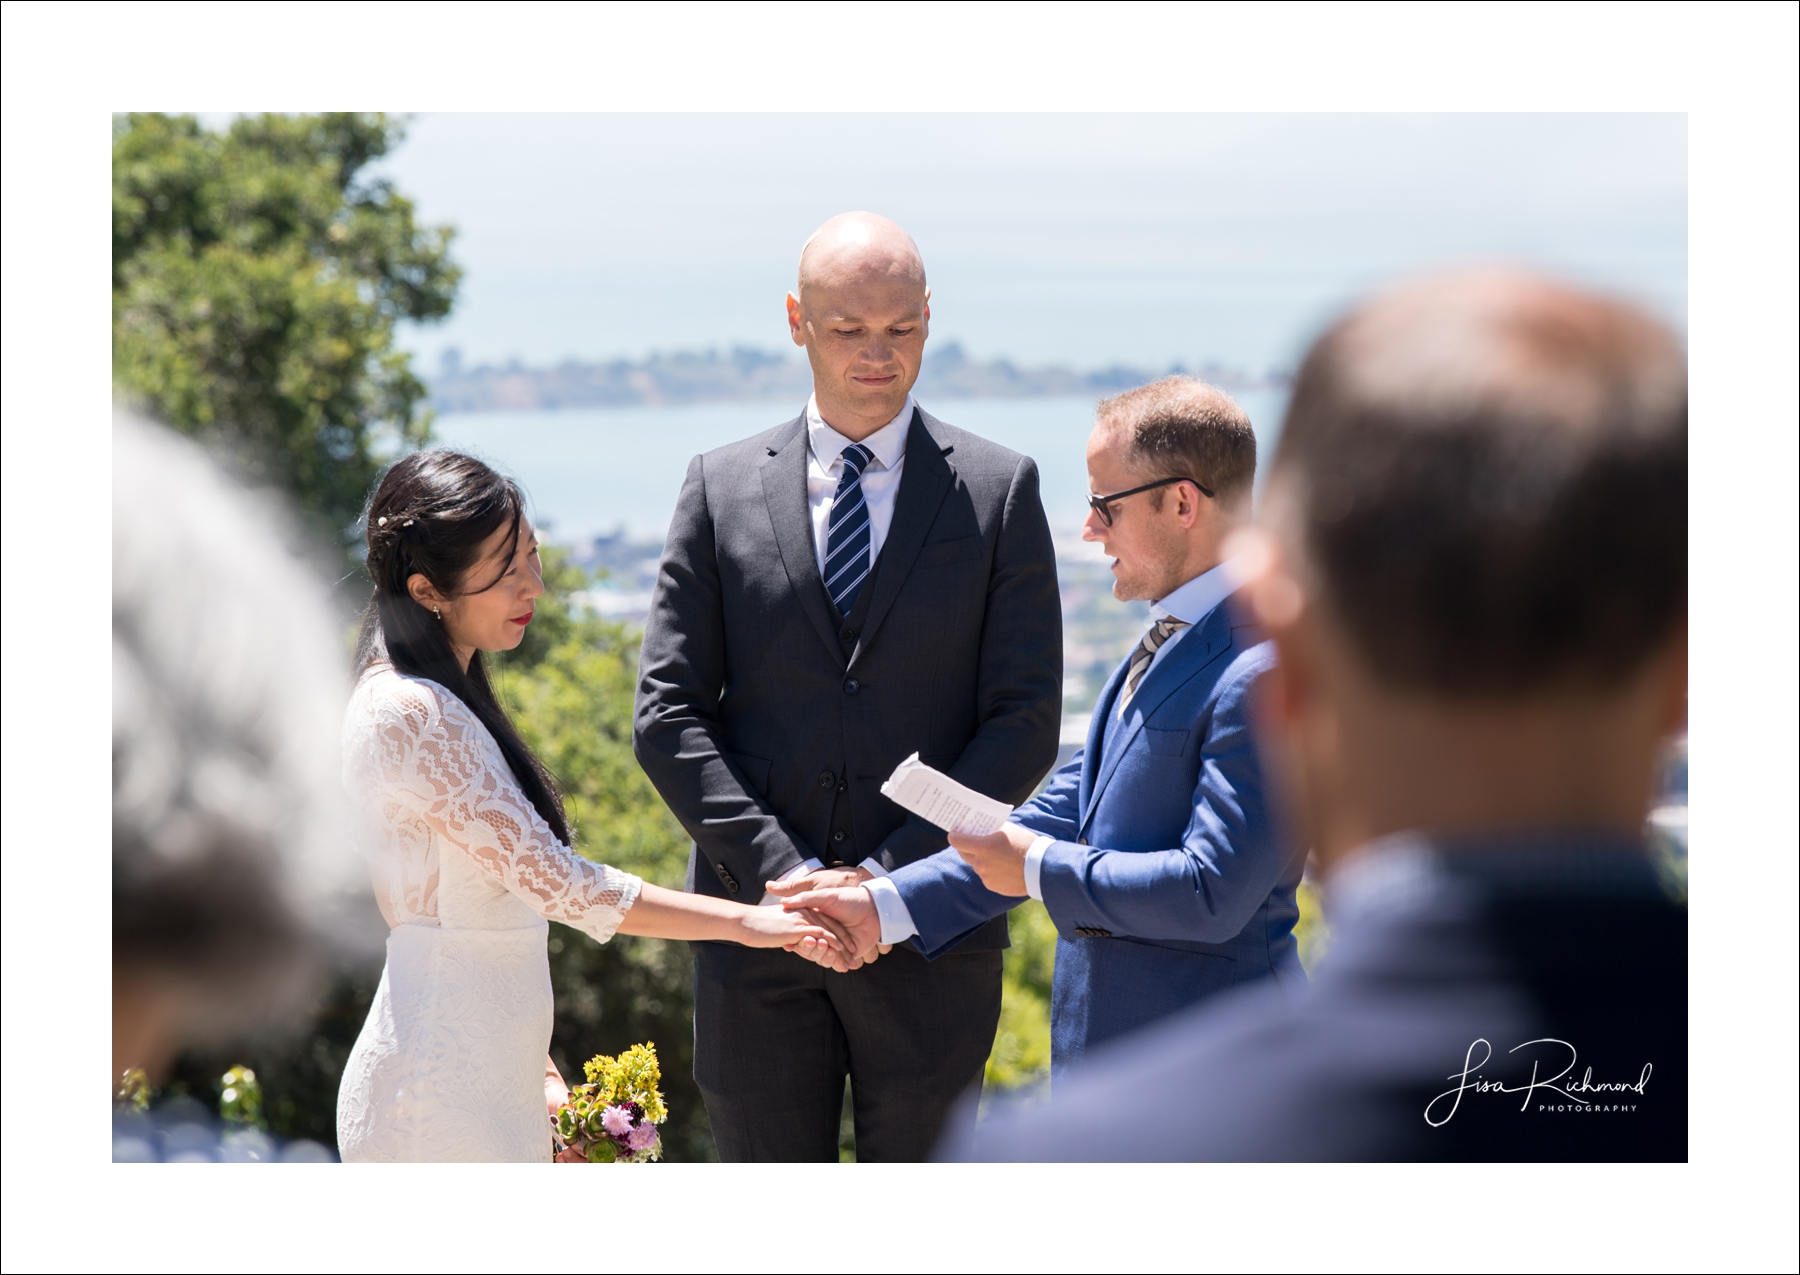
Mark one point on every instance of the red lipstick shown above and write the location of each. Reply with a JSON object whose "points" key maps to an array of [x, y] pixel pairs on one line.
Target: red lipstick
{"points": [[523, 620]]}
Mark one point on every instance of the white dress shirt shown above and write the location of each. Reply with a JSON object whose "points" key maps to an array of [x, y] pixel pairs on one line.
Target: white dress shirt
{"points": [[880, 481], [880, 485], [1192, 602]]}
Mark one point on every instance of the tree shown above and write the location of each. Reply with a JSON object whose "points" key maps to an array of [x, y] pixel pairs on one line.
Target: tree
{"points": [[258, 276]]}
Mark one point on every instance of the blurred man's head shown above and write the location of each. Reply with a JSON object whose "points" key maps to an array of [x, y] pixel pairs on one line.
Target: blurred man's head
{"points": [[1176, 428], [861, 308], [1478, 571], [228, 687]]}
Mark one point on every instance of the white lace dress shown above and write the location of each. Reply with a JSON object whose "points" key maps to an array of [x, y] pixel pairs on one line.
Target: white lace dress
{"points": [[450, 1062]]}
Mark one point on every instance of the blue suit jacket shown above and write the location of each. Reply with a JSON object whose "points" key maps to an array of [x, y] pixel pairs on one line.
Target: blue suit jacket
{"points": [[1167, 882]]}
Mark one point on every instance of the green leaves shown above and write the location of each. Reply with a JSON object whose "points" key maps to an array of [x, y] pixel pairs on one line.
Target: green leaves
{"points": [[1021, 1053], [240, 1099], [257, 282]]}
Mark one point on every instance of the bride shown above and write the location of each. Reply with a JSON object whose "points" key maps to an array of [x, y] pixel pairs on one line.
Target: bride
{"points": [[468, 845]]}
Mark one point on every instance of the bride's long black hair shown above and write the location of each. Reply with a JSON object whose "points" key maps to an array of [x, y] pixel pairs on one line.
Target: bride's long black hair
{"points": [[430, 514]]}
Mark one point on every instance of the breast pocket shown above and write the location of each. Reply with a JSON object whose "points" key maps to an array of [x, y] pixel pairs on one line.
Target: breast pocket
{"points": [[947, 551], [1166, 743]]}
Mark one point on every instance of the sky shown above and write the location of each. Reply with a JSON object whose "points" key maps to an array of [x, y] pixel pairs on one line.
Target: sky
{"points": [[1086, 240]]}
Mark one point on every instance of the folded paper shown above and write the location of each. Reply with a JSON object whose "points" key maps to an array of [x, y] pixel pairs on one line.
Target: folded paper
{"points": [[939, 799]]}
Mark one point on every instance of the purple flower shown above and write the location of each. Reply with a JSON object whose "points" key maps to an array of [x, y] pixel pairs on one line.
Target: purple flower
{"points": [[616, 1121], [642, 1138]]}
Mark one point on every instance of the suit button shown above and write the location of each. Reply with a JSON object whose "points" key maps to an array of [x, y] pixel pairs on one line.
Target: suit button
{"points": [[838, 835], [852, 686], [843, 786], [1092, 932], [826, 779], [849, 635], [729, 880]]}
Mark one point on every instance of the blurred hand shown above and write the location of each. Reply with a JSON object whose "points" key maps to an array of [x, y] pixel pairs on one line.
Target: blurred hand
{"points": [[852, 908], [998, 858]]}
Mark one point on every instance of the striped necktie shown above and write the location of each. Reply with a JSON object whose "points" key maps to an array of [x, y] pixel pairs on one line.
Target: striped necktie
{"points": [[847, 534], [1160, 632]]}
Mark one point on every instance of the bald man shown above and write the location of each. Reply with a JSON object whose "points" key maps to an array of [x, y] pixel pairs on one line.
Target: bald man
{"points": [[1473, 565], [858, 584]]}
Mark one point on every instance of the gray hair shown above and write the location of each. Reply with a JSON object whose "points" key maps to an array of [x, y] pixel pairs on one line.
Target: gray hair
{"points": [[229, 680]]}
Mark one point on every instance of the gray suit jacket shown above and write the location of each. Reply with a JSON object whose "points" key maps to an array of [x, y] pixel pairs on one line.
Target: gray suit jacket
{"points": [[768, 722]]}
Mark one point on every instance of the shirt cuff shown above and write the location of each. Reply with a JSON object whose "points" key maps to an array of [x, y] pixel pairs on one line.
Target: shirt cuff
{"points": [[798, 870], [896, 922], [1034, 867]]}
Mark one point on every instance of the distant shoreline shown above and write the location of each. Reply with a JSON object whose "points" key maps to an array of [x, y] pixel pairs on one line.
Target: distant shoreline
{"points": [[744, 375]]}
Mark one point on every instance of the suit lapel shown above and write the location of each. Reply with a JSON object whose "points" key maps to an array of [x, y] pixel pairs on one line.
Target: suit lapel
{"points": [[1192, 654], [923, 483], [784, 492], [1094, 755]]}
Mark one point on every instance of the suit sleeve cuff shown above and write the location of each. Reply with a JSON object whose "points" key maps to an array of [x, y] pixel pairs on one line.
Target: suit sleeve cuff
{"points": [[798, 870], [1034, 867], [896, 921]]}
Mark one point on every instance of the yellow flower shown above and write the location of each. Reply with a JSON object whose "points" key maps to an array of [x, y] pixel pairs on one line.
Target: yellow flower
{"points": [[634, 1076]]}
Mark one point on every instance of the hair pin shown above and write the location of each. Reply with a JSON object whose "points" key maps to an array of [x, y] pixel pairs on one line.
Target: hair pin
{"points": [[381, 522]]}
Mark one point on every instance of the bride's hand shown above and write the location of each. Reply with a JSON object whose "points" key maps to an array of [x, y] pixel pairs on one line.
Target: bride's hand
{"points": [[777, 927], [556, 1092]]}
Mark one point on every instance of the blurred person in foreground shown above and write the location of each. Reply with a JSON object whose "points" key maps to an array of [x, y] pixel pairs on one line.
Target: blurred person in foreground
{"points": [[1151, 848], [228, 845], [855, 585], [1472, 562]]}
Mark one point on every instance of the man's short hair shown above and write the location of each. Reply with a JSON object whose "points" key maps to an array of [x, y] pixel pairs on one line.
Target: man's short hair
{"points": [[1489, 477], [1182, 427]]}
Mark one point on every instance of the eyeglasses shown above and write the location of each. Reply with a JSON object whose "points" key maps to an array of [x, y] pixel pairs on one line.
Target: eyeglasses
{"points": [[1101, 504]]}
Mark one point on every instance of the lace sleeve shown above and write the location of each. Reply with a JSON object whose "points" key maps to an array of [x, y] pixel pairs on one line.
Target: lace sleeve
{"points": [[451, 776]]}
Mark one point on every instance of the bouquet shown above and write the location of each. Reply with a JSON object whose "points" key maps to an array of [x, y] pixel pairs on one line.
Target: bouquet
{"points": [[612, 1119]]}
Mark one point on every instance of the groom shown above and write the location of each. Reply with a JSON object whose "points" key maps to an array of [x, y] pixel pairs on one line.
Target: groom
{"points": [[860, 583], [1152, 849]]}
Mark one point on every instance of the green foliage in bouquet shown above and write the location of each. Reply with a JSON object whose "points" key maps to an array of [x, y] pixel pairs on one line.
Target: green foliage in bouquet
{"points": [[612, 1119], [634, 1076]]}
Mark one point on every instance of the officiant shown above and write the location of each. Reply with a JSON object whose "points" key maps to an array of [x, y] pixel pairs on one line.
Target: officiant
{"points": [[856, 584]]}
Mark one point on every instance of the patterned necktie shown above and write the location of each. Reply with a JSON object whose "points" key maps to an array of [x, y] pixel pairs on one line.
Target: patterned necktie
{"points": [[847, 533], [1160, 632]]}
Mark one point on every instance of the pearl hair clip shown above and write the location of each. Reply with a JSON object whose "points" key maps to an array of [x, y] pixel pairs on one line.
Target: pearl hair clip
{"points": [[382, 522]]}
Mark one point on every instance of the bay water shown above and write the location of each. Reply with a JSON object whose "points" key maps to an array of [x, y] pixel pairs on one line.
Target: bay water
{"points": [[594, 471]]}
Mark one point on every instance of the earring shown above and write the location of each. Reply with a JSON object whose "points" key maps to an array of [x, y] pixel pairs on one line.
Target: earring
{"points": [[439, 614]]}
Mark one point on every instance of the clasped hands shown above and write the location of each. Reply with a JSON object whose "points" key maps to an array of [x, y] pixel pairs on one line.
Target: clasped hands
{"points": [[837, 899]]}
